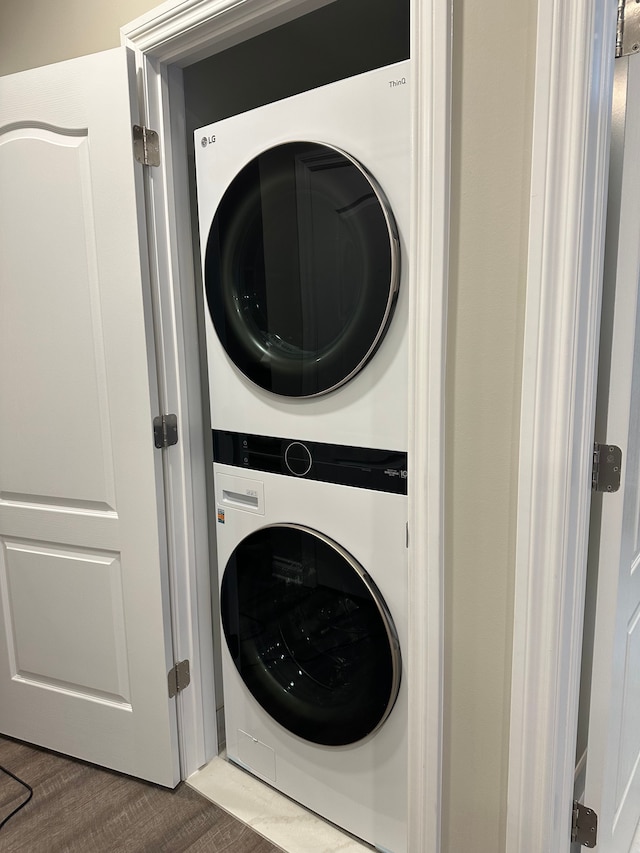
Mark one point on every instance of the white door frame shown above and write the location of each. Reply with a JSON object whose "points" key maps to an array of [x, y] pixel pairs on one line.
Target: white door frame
{"points": [[174, 35], [573, 84]]}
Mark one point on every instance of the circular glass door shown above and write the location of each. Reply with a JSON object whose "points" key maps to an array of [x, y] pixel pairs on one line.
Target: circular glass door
{"points": [[302, 269], [310, 635]]}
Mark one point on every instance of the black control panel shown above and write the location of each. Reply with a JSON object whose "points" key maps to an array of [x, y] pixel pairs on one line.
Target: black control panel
{"points": [[362, 467]]}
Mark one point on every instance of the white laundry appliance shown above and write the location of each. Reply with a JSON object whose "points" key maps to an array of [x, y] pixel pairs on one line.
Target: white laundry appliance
{"points": [[312, 557], [303, 208]]}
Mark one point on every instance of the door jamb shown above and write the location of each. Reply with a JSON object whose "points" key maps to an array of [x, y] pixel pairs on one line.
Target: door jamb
{"points": [[573, 84], [176, 34]]}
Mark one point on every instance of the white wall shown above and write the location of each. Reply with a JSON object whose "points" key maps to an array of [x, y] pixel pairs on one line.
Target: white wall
{"points": [[39, 32], [493, 65], [493, 60]]}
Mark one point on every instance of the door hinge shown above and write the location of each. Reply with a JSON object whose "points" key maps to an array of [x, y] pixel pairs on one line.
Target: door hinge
{"points": [[179, 677], [146, 146], [165, 430], [584, 825], [628, 28], [607, 468]]}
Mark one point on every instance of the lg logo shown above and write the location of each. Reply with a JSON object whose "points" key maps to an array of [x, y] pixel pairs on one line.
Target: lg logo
{"points": [[207, 140]]}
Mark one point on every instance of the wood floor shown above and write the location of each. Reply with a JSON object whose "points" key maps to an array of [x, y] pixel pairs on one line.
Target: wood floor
{"points": [[79, 808]]}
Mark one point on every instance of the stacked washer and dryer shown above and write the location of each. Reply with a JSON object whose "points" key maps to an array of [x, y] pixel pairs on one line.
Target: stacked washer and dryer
{"points": [[304, 208]]}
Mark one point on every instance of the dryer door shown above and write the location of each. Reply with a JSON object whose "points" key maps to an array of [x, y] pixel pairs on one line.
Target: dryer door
{"points": [[310, 634], [302, 269]]}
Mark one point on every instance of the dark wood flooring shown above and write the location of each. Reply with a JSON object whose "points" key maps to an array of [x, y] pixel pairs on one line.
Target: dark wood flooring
{"points": [[80, 808]]}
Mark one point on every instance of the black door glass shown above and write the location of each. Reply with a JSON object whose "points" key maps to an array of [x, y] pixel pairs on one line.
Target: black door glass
{"points": [[310, 637], [301, 269]]}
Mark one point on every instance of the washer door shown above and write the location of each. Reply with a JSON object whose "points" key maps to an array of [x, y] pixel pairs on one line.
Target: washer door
{"points": [[302, 269], [310, 635]]}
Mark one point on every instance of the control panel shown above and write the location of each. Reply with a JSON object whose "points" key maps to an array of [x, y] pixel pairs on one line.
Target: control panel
{"points": [[362, 467]]}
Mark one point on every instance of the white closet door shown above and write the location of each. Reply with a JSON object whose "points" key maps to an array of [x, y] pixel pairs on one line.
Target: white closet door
{"points": [[612, 787], [84, 617]]}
